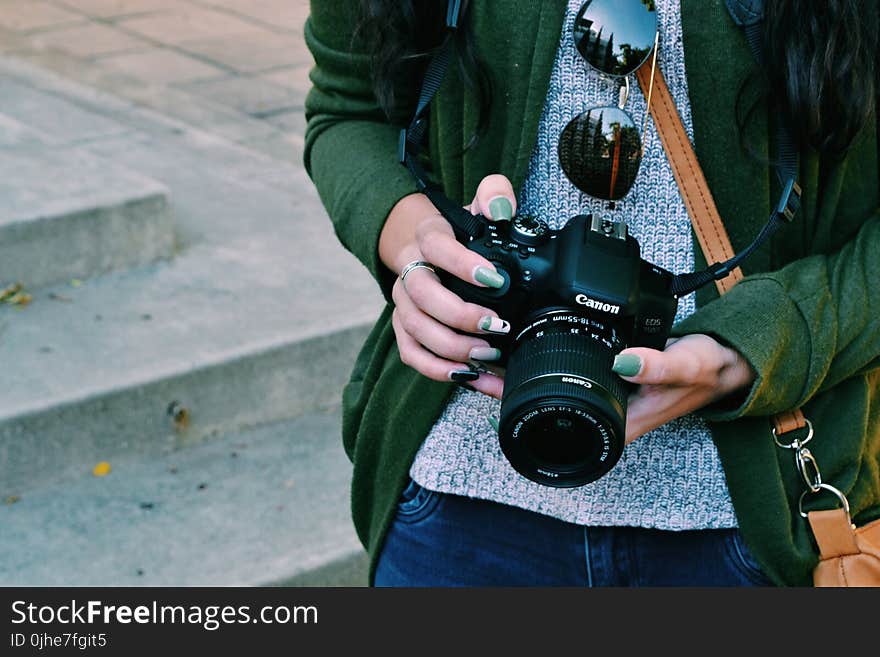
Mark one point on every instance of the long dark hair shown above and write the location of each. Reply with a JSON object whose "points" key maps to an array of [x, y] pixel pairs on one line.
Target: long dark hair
{"points": [[822, 55], [401, 35]]}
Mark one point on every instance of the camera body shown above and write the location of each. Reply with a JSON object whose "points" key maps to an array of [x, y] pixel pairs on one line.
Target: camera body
{"points": [[574, 297], [591, 266]]}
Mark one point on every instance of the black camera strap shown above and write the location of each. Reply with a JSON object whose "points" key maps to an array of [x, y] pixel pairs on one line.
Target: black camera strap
{"points": [[749, 17], [464, 224], [468, 227]]}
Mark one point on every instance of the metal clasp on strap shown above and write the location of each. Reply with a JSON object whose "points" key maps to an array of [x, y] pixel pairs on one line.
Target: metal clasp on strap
{"points": [[401, 146], [844, 503], [797, 443], [808, 467], [790, 201]]}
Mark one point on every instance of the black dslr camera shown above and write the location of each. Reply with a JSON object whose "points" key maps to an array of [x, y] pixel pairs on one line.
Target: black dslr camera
{"points": [[575, 298]]}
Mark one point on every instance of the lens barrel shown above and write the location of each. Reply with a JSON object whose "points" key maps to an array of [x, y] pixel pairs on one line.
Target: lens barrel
{"points": [[563, 412]]}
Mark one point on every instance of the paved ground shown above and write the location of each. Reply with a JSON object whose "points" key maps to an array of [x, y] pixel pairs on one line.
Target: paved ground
{"points": [[257, 314], [233, 511], [238, 68], [161, 87]]}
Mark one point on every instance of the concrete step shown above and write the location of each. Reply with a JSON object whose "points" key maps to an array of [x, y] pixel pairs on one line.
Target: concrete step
{"points": [[265, 506], [65, 212], [256, 319], [69, 214]]}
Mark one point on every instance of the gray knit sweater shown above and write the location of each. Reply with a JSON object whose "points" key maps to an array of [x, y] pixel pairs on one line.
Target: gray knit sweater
{"points": [[671, 478]]}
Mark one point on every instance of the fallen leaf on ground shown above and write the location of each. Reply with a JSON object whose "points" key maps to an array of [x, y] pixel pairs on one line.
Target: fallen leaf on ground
{"points": [[15, 295], [102, 469], [20, 299], [179, 414], [8, 291]]}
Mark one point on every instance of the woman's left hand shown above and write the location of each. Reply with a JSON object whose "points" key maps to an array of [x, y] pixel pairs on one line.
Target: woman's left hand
{"points": [[693, 371]]}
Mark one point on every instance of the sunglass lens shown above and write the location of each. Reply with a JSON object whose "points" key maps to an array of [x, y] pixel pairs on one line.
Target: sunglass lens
{"points": [[616, 36], [600, 152]]}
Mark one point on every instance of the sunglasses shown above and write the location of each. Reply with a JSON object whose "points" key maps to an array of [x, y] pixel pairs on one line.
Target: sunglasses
{"points": [[600, 150]]}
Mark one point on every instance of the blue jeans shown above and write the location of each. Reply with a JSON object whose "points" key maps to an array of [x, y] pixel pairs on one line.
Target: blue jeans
{"points": [[438, 539]]}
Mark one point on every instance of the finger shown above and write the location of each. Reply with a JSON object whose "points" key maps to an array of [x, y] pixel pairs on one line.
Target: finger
{"points": [[495, 198], [438, 338], [438, 245], [429, 295], [651, 367], [420, 359], [489, 384]]}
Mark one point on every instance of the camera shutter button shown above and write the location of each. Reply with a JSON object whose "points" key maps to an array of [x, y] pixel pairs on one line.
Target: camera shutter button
{"points": [[499, 292]]}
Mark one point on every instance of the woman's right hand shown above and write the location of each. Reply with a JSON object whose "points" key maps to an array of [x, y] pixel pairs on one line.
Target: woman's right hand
{"points": [[427, 316]]}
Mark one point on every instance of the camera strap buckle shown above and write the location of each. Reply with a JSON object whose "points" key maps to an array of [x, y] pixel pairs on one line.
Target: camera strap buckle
{"points": [[401, 146], [790, 201]]}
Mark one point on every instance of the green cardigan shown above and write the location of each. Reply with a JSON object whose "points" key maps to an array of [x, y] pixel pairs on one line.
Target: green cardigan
{"points": [[807, 315]]}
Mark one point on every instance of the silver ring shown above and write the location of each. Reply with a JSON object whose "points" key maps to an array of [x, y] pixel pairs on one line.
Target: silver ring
{"points": [[415, 264], [831, 489]]}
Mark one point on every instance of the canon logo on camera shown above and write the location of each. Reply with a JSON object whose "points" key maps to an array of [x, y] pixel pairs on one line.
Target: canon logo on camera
{"points": [[584, 300]]}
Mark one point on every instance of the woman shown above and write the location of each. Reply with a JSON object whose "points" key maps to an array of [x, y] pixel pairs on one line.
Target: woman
{"points": [[701, 495]]}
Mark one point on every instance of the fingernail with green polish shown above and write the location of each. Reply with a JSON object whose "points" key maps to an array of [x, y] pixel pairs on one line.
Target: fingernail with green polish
{"points": [[501, 209], [487, 354], [494, 325], [488, 277], [627, 364], [493, 422], [460, 376]]}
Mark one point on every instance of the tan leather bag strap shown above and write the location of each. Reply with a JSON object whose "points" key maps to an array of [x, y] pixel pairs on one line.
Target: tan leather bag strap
{"points": [[834, 533], [698, 200], [788, 421]]}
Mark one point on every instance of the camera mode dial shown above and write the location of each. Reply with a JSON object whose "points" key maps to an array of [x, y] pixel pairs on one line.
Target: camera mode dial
{"points": [[529, 230]]}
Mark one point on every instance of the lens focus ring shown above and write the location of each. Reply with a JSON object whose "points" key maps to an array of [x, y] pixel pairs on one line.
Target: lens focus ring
{"points": [[565, 353]]}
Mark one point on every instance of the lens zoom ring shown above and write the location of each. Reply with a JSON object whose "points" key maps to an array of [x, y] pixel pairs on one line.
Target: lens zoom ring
{"points": [[564, 353]]}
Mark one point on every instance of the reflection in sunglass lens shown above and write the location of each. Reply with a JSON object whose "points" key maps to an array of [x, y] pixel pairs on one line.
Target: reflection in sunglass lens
{"points": [[616, 36], [600, 152]]}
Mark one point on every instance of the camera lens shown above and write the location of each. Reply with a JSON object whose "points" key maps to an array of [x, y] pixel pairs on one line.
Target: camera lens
{"points": [[563, 413]]}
